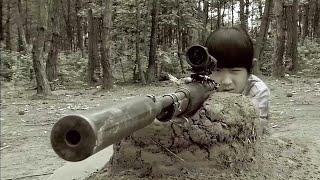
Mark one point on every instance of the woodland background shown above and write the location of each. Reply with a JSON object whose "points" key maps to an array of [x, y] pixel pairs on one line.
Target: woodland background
{"points": [[52, 44]]}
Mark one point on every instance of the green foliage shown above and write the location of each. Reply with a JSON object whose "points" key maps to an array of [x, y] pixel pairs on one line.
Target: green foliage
{"points": [[97, 10], [309, 54], [123, 65], [308, 58], [72, 69], [266, 60], [169, 61], [15, 66], [125, 29], [18, 68], [171, 13]]}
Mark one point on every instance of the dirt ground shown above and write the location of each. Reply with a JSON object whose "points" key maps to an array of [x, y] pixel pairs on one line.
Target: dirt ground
{"points": [[291, 151]]}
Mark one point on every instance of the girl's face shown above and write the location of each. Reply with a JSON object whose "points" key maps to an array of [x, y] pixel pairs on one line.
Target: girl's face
{"points": [[232, 80]]}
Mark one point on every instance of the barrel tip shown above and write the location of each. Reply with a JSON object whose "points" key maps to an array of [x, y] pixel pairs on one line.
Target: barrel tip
{"points": [[73, 138]]}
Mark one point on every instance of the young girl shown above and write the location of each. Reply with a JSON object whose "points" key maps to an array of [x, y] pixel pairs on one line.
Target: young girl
{"points": [[233, 50]]}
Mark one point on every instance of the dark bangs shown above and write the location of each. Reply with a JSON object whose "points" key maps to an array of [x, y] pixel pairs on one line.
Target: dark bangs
{"points": [[232, 47]]}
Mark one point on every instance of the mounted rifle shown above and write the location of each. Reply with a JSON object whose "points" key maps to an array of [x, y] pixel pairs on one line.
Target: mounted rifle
{"points": [[78, 136]]}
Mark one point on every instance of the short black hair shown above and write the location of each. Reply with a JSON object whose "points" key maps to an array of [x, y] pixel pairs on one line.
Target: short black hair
{"points": [[232, 47]]}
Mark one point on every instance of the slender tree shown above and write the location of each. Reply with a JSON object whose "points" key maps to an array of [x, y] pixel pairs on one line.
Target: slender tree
{"points": [[66, 12], [316, 26], [247, 13], [260, 8], [232, 10], [79, 27], [205, 21], [52, 60], [218, 14], [19, 21], [278, 68], [43, 87], [305, 21], [26, 23], [1, 19], [242, 15], [92, 48], [153, 43], [262, 36], [292, 35], [138, 60], [223, 12], [8, 27], [124, 47], [179, 37], [107, 78]]}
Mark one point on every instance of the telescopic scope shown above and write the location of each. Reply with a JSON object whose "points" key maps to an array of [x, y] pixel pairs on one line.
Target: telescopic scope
{"points": [[199, 58]]}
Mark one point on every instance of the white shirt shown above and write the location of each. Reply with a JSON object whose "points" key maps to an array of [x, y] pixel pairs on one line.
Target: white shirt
{"points": [[259, 94]]}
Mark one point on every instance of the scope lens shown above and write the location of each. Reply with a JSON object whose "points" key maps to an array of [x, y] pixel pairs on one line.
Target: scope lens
{"points": [[197, 56]]}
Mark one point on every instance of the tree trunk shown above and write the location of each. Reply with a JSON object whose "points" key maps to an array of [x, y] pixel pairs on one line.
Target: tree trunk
{"points": [[92, 48], [305, 22], [218, 15], [179, 38], [185, 41], [278, 68], [27, 24], [68, 26], [313, 8], [242, 15], [299, 21], [52, 61], [146, 43], [205, 22], [260, 9], [1, 18], [253, 14], [107, 79], [292, 36], [316, 27], [247, 13], [123, 49], [21, 35], [43, 87], [85, 34], [223, 13], [198, 16], [8, 27], [79, 28], [262, 37], [232, 16], [138, 60], [153, 42]]}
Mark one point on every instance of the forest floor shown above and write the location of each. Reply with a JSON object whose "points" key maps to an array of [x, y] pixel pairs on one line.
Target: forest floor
{"points": [[291, 151]]}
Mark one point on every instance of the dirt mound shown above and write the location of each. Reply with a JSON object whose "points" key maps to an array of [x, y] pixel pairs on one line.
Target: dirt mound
{"points": [[218, 139]]}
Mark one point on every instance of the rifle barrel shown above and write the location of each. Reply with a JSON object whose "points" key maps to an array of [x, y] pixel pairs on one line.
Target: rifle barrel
{"points": [[77, 136]]}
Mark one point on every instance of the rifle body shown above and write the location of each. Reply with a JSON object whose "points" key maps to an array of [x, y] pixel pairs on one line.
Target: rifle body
{"points": [[77, 136]]}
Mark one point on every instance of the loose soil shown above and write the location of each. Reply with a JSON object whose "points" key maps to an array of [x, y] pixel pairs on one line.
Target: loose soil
{"points": [[291, 151], [220, 135]]}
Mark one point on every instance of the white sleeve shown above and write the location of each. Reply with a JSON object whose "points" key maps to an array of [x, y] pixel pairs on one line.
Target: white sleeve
{"points": [[261, 101]]}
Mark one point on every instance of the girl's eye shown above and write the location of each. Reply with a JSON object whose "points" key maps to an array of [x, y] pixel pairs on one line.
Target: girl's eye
{"points": [[235, 69]]}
